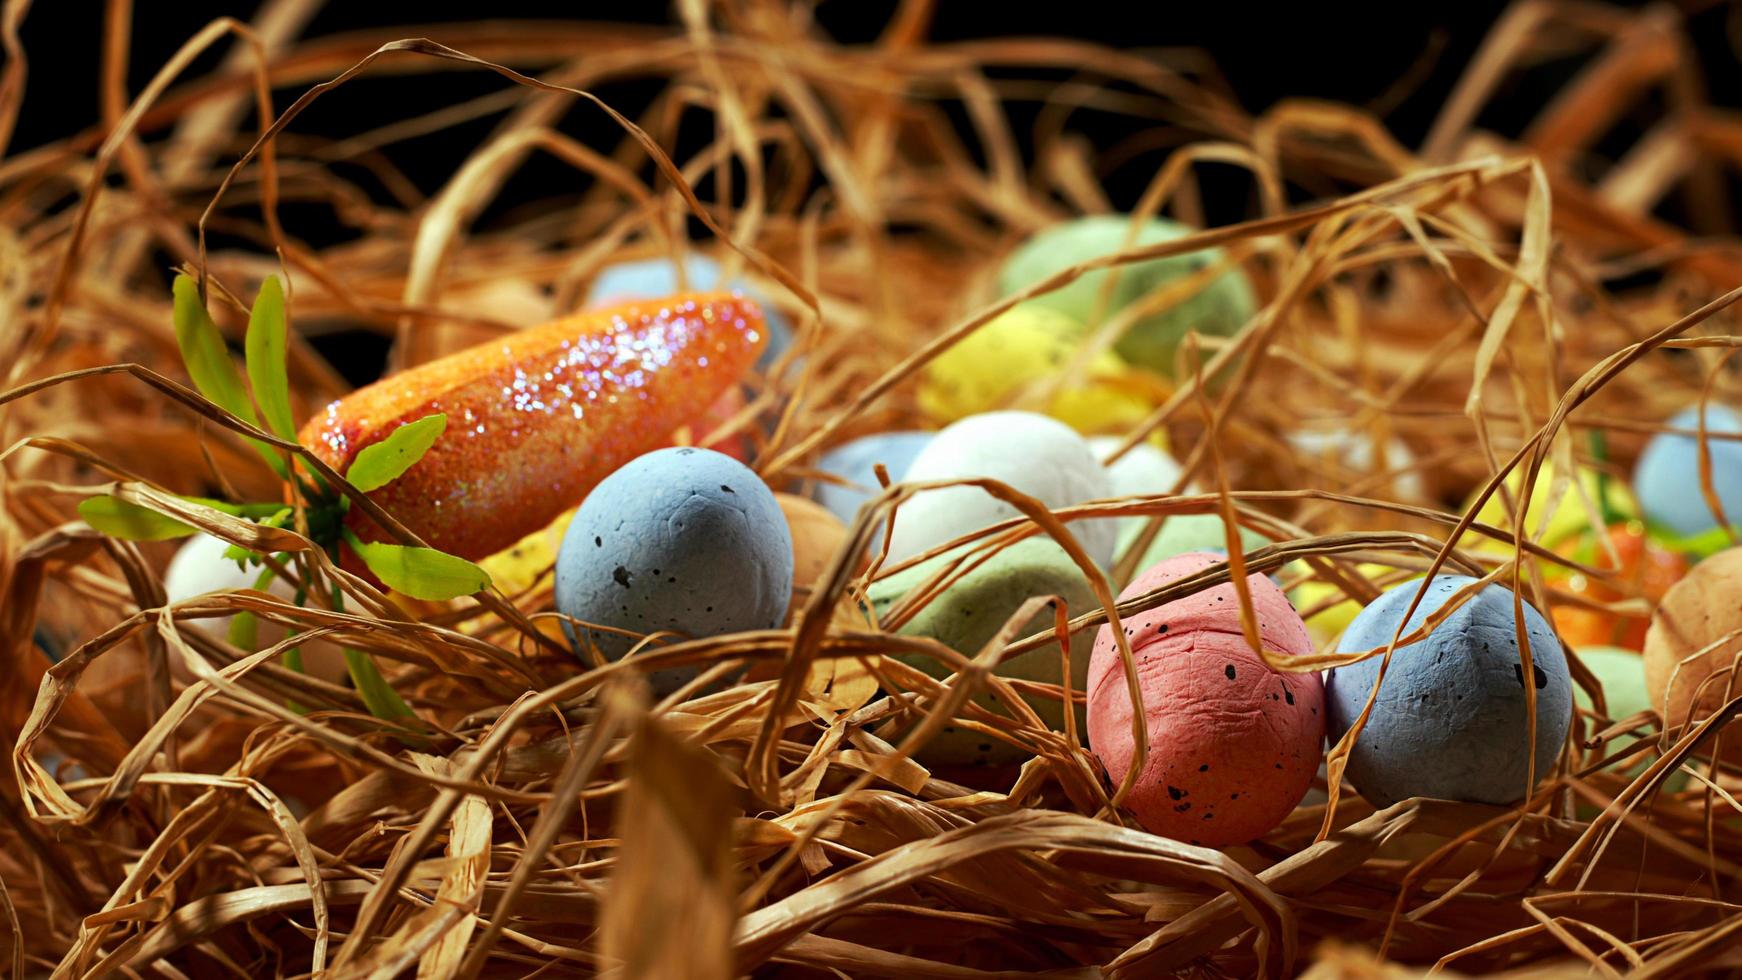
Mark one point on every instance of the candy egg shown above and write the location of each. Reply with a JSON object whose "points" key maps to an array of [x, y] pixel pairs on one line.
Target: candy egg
{"points": [[966, 615], [1338, 451], [683, 540], [995, 363], [1450, 720], [654, 278], [1233, 744], [1667, 477], [1622, 674], [1329, 621], [1647, 571], [1220, 308], [199, 567], [856, 462], [1183, 533], [1570, 517], [1143, 470], [1688, 681], [1035, 455], [816, 536]]}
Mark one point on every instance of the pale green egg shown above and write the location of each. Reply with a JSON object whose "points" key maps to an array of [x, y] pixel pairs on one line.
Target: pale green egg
{"points": [[1219, 309], [971, 611]]}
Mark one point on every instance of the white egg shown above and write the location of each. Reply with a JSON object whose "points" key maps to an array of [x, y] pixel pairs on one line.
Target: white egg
{"points": [[1354, 452], [200, 568], [1143, 470], [1034, 454]]}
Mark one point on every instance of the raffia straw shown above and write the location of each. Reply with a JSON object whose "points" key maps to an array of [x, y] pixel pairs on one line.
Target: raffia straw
{"points": [[1466, 293]]}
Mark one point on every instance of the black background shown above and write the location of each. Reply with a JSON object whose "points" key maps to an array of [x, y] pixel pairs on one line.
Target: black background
{"points": [[1352, 53]]}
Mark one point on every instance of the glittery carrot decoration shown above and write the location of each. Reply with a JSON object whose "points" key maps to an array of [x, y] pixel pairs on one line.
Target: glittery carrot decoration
{"points": [[536, 419]]}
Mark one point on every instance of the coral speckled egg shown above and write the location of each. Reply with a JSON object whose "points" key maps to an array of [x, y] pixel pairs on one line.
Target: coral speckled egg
{"points": [[654, 278], [816, 536], [686, 540], [1035, 455], [1219, 309], [970, 612], [1450, 721], [1233, 744], [199, 567], [856, 463], [1667, 477], [1686, 684], [1014, 350]]}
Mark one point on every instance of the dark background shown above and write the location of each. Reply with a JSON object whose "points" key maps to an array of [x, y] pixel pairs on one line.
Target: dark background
{"points": [[1399, 60]]}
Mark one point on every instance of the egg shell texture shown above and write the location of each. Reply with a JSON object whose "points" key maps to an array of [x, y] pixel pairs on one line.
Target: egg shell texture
{"points": [[856, 463], [1570, 515], [1667, 476], [537, 418], [970, 613], [1233, 744], [1450, 720], [1017, 348], [687, 540], [816, 536], [1183, 533], [644, 279], [1356, 453], [1221, 308], [199, 567], [1146, 469], [1035, 455], [1686, 685]]}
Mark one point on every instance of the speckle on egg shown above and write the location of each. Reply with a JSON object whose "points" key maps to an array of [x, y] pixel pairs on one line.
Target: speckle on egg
{"points": [[1417, 742], [728, 556], [1207, 695]]}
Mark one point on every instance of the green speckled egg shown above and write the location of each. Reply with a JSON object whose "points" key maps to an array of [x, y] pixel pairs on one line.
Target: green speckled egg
{"points": [[1220, 309], [1182, 533], [971, 611]]}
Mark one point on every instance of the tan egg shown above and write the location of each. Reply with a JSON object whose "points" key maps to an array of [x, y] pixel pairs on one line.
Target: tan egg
{"points": [[1686, 684], [816, 535]]}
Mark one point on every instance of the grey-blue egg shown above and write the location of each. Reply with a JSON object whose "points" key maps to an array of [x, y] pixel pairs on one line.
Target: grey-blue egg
{"points": [[686, 540], [855, 462], [1450, 719], [1667, 478], [655, 278]]}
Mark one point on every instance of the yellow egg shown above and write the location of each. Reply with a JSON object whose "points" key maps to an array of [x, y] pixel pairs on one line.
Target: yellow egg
{"points": [[515, 568], [1330, 621], [995, 363], [1570, 517]]}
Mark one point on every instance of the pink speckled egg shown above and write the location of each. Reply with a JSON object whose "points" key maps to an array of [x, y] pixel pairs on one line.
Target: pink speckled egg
{"points": [[1233, 744]]}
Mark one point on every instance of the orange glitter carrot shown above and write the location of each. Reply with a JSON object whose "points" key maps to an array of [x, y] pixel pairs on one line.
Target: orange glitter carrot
{"points": [[536, 419]]}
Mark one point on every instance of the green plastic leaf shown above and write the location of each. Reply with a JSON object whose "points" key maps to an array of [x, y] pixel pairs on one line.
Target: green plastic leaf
{"points": [[381, 464], [245, 626], [422, 573], [122, 519], [378, 695], [208, 362], [266, 348], [1698, 546]]}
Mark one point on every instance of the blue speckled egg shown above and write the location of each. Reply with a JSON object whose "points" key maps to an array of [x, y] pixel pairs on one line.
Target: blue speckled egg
{"points": [[686, 540], [652, 278], [855, 461], [1450, 719], [1667, 479]]}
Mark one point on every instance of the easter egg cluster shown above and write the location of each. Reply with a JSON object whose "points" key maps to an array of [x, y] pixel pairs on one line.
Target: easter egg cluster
{"points": [[582, 445]]}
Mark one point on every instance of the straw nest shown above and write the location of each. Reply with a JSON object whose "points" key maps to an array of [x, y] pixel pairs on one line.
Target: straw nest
{"points": [[1489, 302]]}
